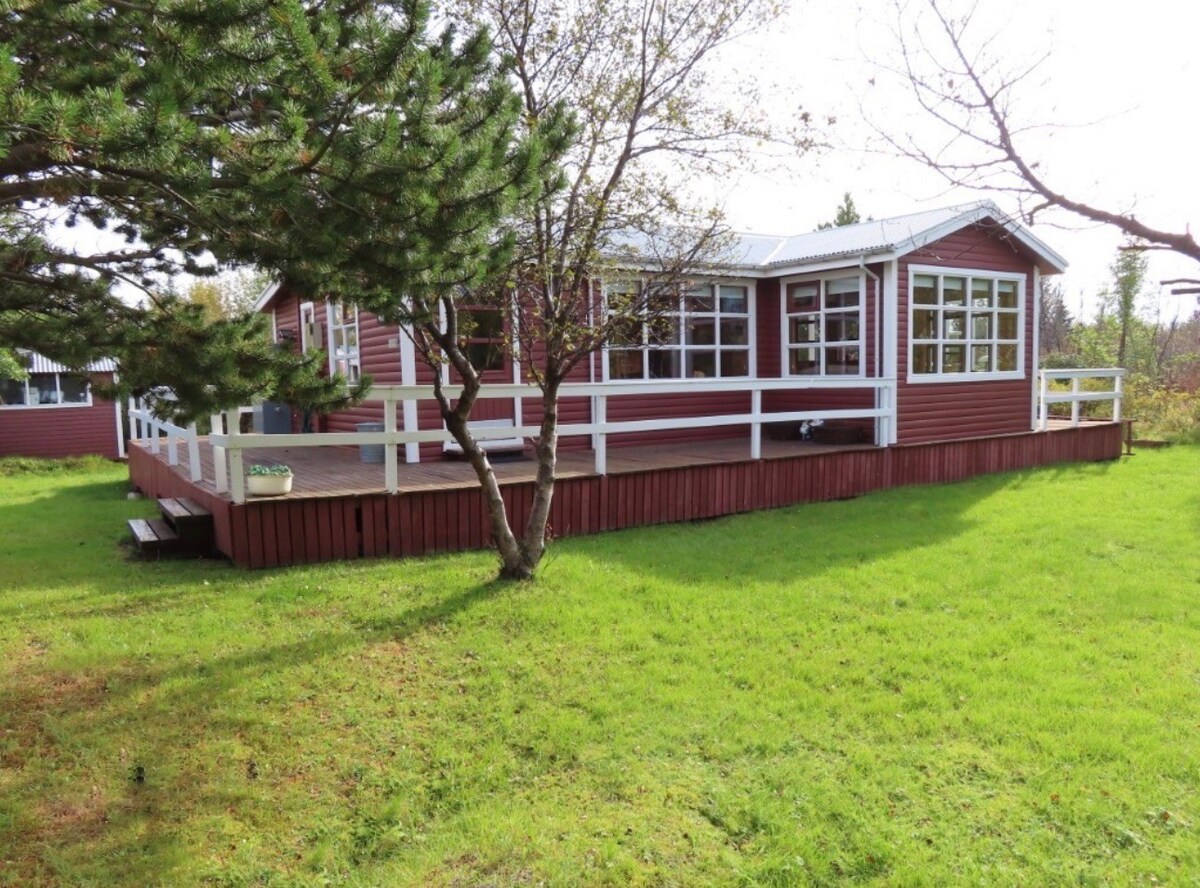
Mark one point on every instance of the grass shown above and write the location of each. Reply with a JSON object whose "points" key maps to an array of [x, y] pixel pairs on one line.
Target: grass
{"points": [[995, 682]]}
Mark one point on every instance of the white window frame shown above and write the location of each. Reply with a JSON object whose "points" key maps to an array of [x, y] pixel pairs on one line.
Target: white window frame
{"points": [[968, 340], [354, 358], [58, 388], [786, 345], [682, 348]]}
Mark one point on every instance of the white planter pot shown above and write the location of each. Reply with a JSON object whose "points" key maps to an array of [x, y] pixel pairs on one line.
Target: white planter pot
{"points": [[269, 485]]}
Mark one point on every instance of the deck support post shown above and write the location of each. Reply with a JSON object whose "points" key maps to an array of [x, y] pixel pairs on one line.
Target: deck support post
{"points": [[1043, 407], [756, 424], [193, 453], [237, 474], [600, 439], [390, 456], [220, 476]]}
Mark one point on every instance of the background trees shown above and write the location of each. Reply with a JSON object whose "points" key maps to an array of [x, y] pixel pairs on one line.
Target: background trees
{"points": [[337, 143]]}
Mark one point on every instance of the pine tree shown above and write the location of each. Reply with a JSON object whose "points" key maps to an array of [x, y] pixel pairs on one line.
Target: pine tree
{"points": [[847, 214], [336, 143]]}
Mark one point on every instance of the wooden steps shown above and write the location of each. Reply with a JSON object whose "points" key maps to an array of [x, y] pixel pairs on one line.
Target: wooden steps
{"points": [[185, 530]]}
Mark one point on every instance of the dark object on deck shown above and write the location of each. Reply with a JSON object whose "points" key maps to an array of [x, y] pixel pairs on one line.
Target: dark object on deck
{"points": [[835, 433], [370, 453], [184, 531], [273, 418]]}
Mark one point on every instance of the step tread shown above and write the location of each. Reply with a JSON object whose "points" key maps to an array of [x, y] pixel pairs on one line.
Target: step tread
{"points": [[194, 508], [163, 531], [142, 532]]}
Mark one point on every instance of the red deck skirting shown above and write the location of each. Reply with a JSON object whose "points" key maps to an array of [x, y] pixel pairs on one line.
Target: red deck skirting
{"points": [[272, 533]]}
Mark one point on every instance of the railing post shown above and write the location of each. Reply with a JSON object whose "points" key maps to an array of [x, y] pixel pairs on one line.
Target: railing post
{"points": [[601, 438], [390, 456], [1043, 407], [412, 449], [220, 469], [155, 431], [1119, 390], [756, 423], [193, 453], [237, 474], [1075, 401], [172, 449], [133, 420]]}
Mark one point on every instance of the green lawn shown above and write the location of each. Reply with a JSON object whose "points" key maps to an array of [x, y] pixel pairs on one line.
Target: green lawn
{"points": [[995, 682]]}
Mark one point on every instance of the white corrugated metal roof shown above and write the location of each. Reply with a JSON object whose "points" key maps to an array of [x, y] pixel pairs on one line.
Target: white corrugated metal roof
{"points": [[877, 238], [41, 364]]}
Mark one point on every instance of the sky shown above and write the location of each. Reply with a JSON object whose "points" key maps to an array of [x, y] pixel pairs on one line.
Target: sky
{"points": [[1118, 83]]}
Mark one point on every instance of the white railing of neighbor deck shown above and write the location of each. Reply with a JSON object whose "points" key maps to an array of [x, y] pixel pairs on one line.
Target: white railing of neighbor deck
{"points": [[1076, 395], [229, 444]]}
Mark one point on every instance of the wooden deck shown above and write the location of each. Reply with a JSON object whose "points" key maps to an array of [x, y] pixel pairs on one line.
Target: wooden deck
{"points": [[338, 471], [339, 510]]}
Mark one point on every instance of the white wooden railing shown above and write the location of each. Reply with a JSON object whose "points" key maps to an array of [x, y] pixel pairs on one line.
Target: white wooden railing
{"points": [[1076, 396], [229, 443]]}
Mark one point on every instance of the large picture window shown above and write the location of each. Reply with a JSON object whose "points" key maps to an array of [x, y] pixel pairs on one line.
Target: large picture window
{"points": [[965, 325], [344, 355], [485, 342], [46, 390], [823, 326], [702, 332]]}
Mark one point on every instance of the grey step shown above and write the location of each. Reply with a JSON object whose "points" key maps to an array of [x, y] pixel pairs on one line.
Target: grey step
{"points": [[182, 509], [152, 535]]}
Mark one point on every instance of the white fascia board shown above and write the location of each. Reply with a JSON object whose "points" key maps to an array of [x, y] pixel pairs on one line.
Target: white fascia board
{"points": [[985, 210], [267, 295]]}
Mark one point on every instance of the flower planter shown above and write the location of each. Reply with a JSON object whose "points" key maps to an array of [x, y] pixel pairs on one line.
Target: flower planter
{"points": [[269, 485]]}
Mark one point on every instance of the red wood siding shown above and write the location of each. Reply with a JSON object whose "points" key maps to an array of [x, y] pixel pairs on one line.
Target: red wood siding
{"points": [[60, 431], [266, 534], [946, 411]]}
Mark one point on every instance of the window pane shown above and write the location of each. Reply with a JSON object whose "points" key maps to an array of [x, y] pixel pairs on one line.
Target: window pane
{"points": [[802, 297], [702, 331], [1007, 326], [981, 293], [735, 362], [701, 364], [664, 363], [1006, 357], [484, 356], [924, 359], [804, 362], [841, 293], [625, 331], [625, 365], [805, 329], [954, 291], [623, 296], [925, 324], [699, 298], [954, 359], [734, 299], [841, 361], [735, 332], [981, 325], [663, 330], [1007, 294], [841, 327], [74, 389], [925, 289], [954, 325], [12, 391], [981, 358], [43, 389], [484, 323]]}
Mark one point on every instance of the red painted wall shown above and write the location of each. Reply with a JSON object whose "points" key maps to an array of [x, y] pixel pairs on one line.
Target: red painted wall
{"points": [[945, 411], [60, 431]]}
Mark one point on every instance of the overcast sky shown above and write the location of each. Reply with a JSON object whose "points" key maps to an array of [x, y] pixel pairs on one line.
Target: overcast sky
{"points": [[1124, 83]]}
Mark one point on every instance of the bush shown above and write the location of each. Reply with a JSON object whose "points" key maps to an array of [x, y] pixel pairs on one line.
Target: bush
{"points": [[1169, 414], [11, 466]]}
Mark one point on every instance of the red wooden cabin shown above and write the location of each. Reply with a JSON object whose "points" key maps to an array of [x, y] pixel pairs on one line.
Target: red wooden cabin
{"points": [[54, 412], [913, 339]]}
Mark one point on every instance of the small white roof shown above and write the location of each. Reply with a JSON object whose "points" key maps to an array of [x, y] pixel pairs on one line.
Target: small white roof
{"points": [[41, 364]]}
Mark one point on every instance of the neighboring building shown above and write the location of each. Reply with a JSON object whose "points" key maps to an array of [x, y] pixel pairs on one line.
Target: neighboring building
{"points": [[54, 412]]}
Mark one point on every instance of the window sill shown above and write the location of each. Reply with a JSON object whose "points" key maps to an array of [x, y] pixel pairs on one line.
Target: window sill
{"points": [[43, 406], [933, 378]]}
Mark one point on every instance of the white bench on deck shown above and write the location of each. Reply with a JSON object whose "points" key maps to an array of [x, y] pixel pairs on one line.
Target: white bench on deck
{"points": [[489, 445]]}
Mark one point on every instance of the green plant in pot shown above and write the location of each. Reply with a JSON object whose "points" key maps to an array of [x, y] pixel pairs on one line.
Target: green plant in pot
{"points": [[272, 480]]}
